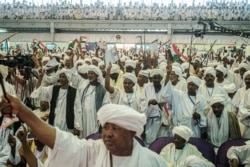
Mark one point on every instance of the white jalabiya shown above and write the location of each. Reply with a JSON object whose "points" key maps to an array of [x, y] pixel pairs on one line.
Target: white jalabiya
{"points": [[183, 107], [238, 96], [217, 128], [181, 85], [244, 114], [60, 109], [49, 79], [155, 115], [129, 99], [71, 151], [88, 118], [241, 153], [176, 157], [194, 161]]}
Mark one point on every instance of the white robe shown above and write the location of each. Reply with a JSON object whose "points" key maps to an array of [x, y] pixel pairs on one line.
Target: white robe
{"points": [[176, 158], [88, 118], [241, 153], [71, 151], [183, 107]]}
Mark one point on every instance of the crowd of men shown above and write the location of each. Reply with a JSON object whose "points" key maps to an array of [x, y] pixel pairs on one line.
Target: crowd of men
{"points": [[128, 11], [81, 95]]}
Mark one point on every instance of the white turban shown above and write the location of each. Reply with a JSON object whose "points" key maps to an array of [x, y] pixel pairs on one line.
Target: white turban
{"points": [[130, 63], [183, 131], [87, 60], [177, 71], [101, 63], [244, 65], [246, 74], [229, 88], [115, 69], [67, 72], [96, 59], [175, 64], [210, 70], [97, 71], [45, 58], [195, 80], [4, 71], [83, 69], [217, 98], [194, 161], [156, 72], [185, 65], [81, 61], [144, 73], [52, 63], [123, 116], [222, 69], [197, 59], [130, 76]]}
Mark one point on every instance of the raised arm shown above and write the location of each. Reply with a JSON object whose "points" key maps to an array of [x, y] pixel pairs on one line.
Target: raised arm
{"points": [[44, 132], [107, 80]]}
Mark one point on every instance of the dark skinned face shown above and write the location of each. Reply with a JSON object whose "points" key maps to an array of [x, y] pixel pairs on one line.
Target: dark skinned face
{"points": [[179, 142], [217, 109]]}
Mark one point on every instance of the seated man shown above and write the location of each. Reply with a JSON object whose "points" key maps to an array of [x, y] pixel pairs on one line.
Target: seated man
{"points": [[239, 155], [116, 148], [175, 153]]}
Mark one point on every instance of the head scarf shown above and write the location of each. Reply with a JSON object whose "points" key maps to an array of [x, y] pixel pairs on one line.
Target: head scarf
{"points": [[222, 69], [115, 69], [130, 63], [244, 65], [52, 63], [67, 72], [183, 131], [83, 69], [229, 88], [195, 80], [177, 71], [217, 98], [96, 59], [210, 70], [97, 71], [144, 73], [246, 74], [130, 76], [185, 66], [123, 116], [156, 72]]}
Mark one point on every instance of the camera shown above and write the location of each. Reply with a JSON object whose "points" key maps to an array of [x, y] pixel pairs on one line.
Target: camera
{"points": [[18, 61]]}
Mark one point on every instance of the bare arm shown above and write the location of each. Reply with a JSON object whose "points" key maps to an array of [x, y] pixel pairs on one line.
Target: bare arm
{"points": [[107, 80], [44, 132]]}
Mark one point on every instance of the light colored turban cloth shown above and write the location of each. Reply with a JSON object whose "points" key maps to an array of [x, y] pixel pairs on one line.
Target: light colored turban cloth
{"points": [[115, 69], [230, 88], [217, 98], [244, 65], [222, 69], [156, 72], [144, 73], [101, 63], [175, 64], [123, 116], [210, 70], [83, 69], [97, 71], [177, 71], [52, 63], [88, 60], [96, 59], [130, 63], [81, 61], [246, 74], [4, 71], [130, 76], [67, 72], [195, 80], [194, 161], [183, 132], [185, 65]]}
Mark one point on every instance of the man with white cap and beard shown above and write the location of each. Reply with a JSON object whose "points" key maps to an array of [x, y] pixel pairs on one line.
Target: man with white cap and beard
{"points": [[175, 153], [187, 108], [126, 96], [92, 96], [65, 106], [116, 148], [151, 104], [221, 72]]}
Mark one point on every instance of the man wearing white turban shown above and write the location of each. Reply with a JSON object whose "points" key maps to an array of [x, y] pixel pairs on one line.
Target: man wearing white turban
{"points": [[126, 96], [187, 107], [176, 153], [64, 103], [142, 79], [116, 78], [116, 148], [222, 124], [151, 103], [93, 96], [177, 80], [48, 73], [221, 72]]}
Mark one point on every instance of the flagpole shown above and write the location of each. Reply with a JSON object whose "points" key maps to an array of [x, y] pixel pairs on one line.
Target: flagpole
{"points": [[190, 52]]}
